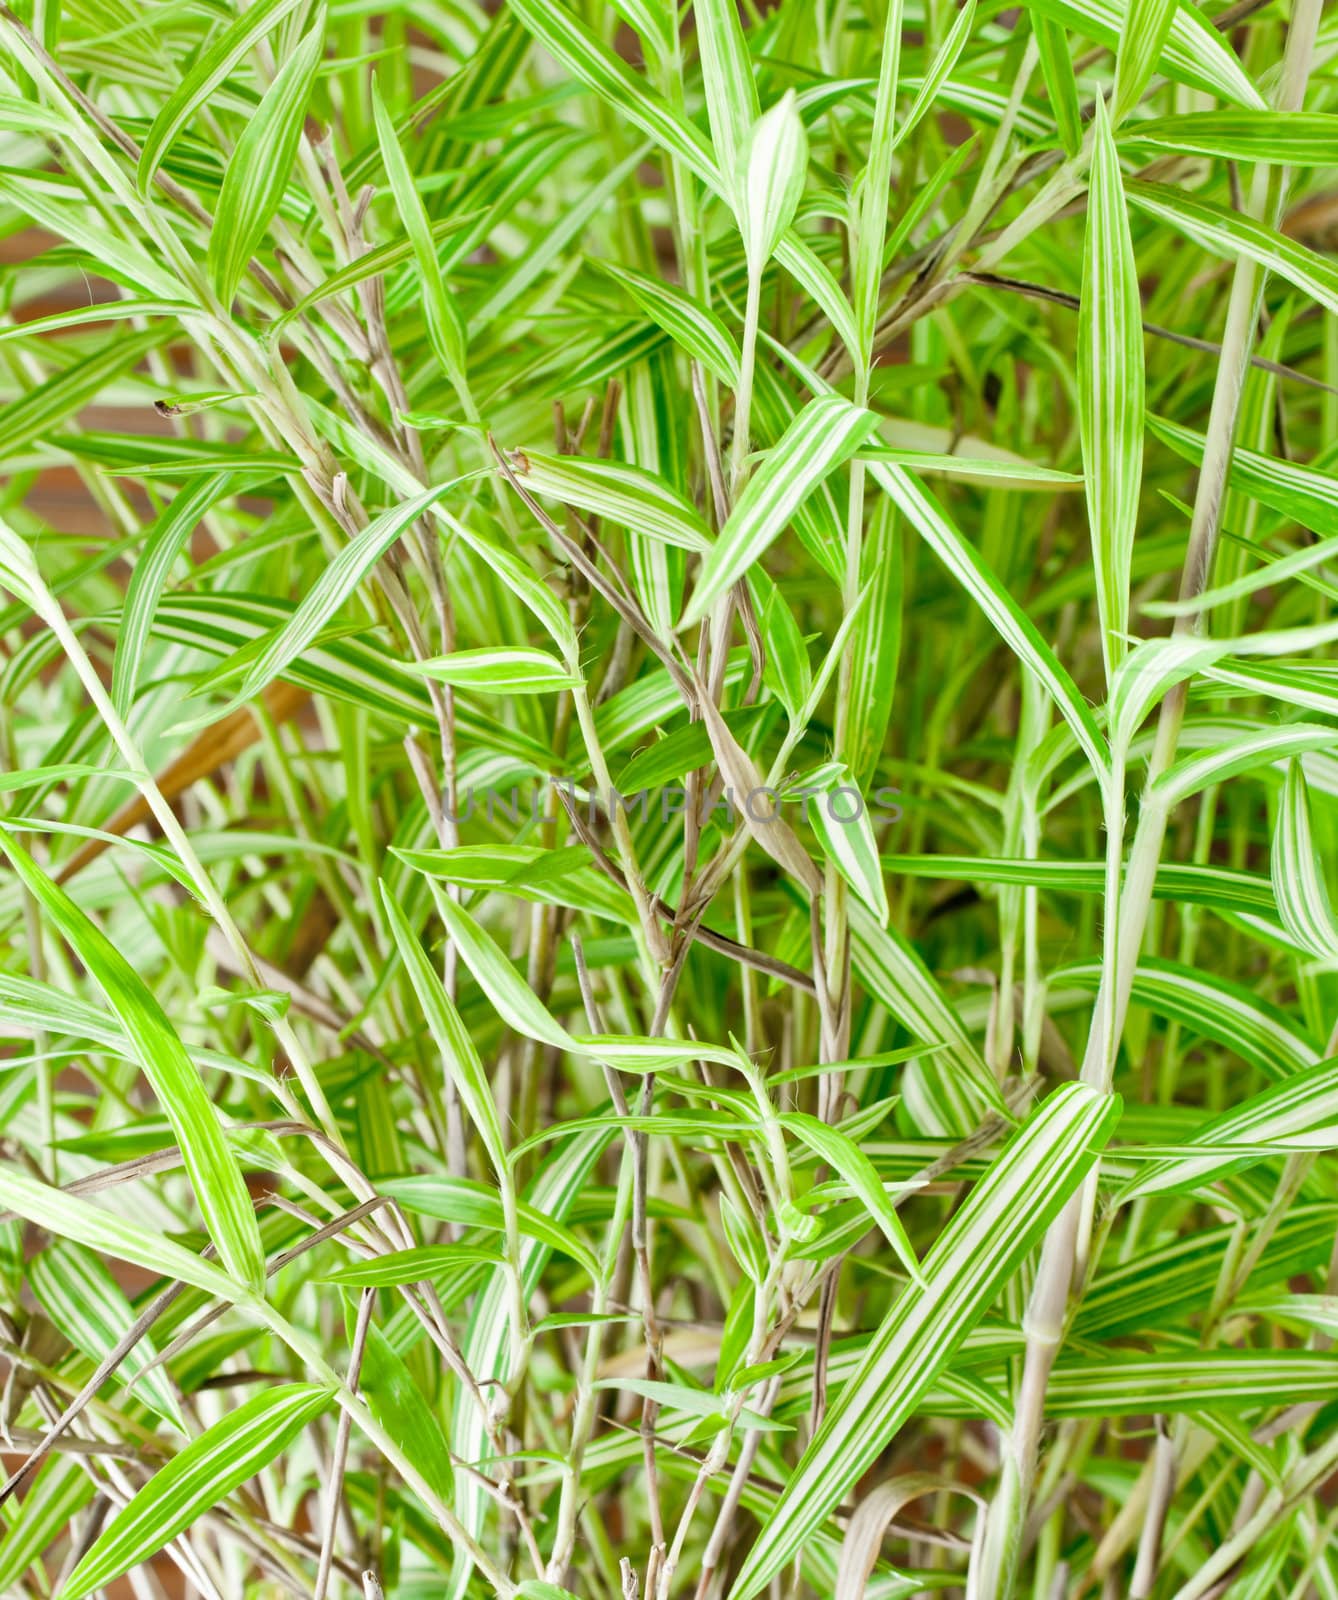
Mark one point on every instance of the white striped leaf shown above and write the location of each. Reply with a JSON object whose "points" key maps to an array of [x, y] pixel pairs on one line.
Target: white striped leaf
{"points": [[840, 818], [1292, 138], [888, 967], [627, 495], [501, 671], [655, 20], [85, 1302], [197, 1479], [46, 405], [1256, 750], [488, 1345], [969, 568], [99, 311], [826, 433], [1234, 1016], [445, 326], [1299, 1112], [60, 1489], [727, 76], [876, 646], [1052, 44], [1194, 51], [1298, 873], [1147, 673], [694, 327], [421, 1265], [336, 583], [1144, 29], [459, 1057], [1319, 1311], [1001, 469], [258, 169], [1163, 1284], [1241, 892], [1275, 571], [571, 43], [1110, 385], [1308, 496], [518, 577], [208, 73], [215, 1177], [1311, 684], [511, 997], [1189, 1380], [976, 1255], [772, 180], [873, 186], [631, 1053], [1232, 233], [754, 802]]}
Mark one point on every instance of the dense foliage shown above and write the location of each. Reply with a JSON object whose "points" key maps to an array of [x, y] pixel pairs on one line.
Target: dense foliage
{"points": [[670, 767]]}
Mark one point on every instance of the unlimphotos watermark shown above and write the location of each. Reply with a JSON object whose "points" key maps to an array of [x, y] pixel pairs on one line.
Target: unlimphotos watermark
{"points": [[842, 804]]}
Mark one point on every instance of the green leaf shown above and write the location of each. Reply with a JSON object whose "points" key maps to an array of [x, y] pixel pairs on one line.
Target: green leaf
{"points": [[48, 404], [970, 570], [1144, 29], [501, 671], [420, 1265], [459, 1057], [892, 971], [772, 180], [209, 72], [474, 1205], [197, 1479], [84, 1301], [1110, 386], [401, 1408], [215, 1177], [445, 325], [845, 1157], [975, 1256], [166, 539], [258, 170], [1060, 84], [940, 69], [826, 433], [336, 583], [512, 999], [1293, 138]]}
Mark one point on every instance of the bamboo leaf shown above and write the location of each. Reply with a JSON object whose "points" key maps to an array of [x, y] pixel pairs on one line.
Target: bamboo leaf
{"points": [[972, 1259], [197, 1479], [219, 1191], [826, 433], [209, 72], [1110, 376], [258, 172]]}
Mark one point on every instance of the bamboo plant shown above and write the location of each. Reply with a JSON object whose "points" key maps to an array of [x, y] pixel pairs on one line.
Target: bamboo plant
{"points": [[668, 790]]}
